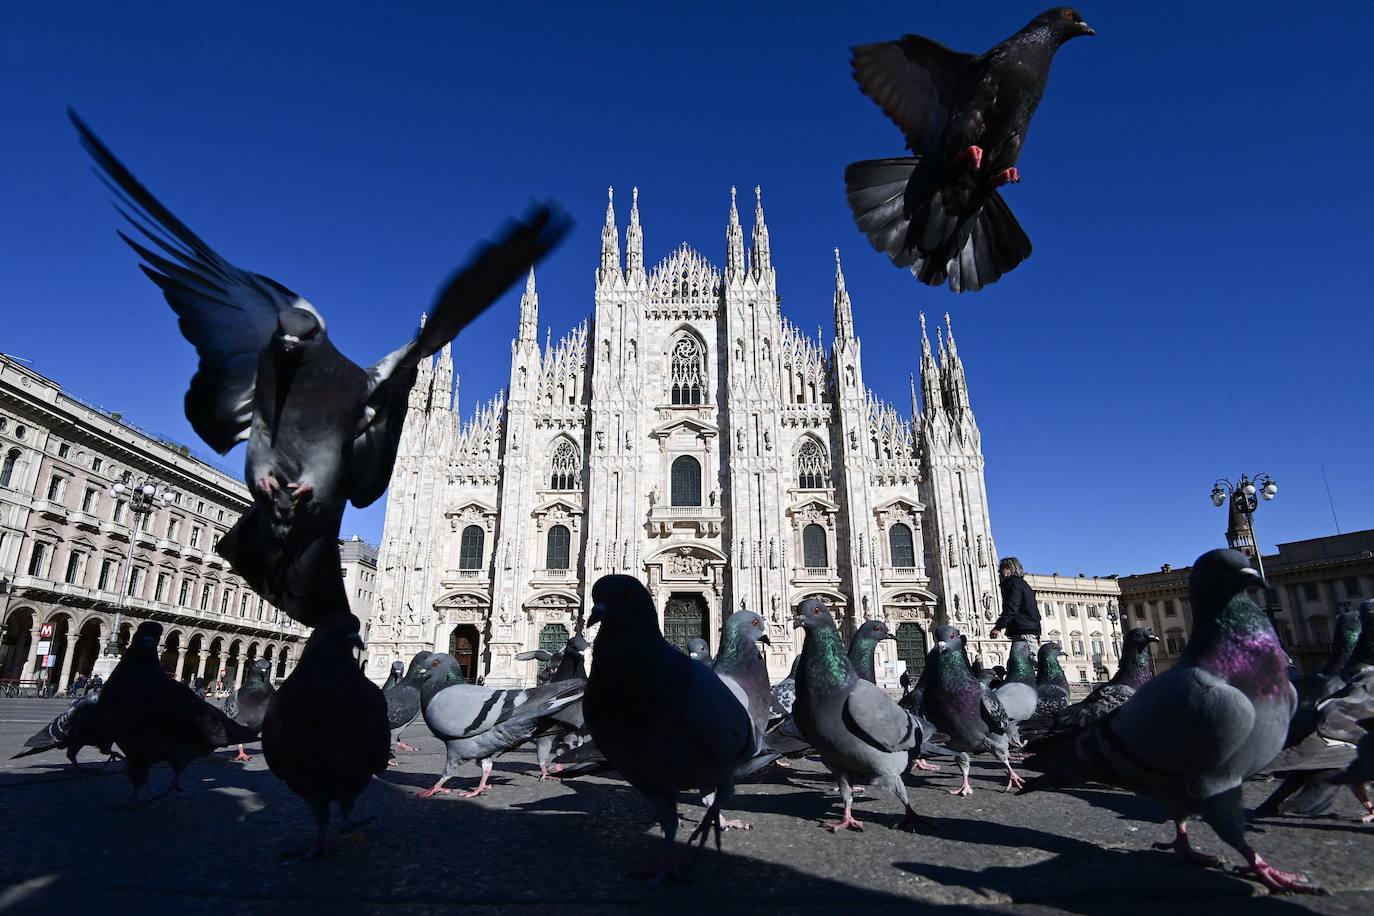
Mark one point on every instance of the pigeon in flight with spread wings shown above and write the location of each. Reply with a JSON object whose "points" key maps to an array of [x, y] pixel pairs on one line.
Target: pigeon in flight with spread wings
{"points": [[965, 117], [321, 430]]}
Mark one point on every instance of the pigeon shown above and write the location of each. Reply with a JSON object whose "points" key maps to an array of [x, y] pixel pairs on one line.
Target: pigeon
{"points": [[1327, 682], [864, 645], [743, 670], [79, 725], [859, 731], [1362, 656], [326, 733], [970, 715], [783, 694], [699, 649], [155, 719], [664, 720], [403, 698], [570, 732], [478, 723], [321, 431], [1051, 685], [248, 705], [1360, 773], [1134, 670], [398, 671], [1191, 736], [965, 117], [1020, 664]]}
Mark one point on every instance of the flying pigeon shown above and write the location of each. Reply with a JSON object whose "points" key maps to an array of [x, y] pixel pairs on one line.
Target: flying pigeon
{"points": [[1051, 684], [1134, 670], [403, 698], [79, 725], [970, 715], [965, 117], [325, 733], [321, 431], [1191, 736], [478, 723], [398, 671], [665, 721], [699, 650], [155, 719], [860, 732], [248, 704]]}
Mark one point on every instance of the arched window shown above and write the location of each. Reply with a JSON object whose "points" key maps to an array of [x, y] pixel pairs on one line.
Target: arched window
{"points": [[470, 547], [811, 470], [900, 544], [688, 376], [686, 481], [7, 471], [565, 466], [815, 554], [559, 547]]}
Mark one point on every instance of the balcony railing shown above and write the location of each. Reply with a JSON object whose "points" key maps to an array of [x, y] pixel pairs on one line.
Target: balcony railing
{"points": [[817, 572]]}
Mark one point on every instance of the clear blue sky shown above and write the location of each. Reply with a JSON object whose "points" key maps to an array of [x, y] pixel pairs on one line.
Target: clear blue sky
{"points": [[1196, 185]]}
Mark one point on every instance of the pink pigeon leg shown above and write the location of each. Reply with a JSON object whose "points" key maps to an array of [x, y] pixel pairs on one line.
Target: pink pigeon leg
{"points": [[975, 155], [1183, 847]]}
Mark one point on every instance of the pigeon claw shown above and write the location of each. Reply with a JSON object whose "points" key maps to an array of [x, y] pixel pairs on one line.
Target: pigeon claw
{"points": [[1006, 176], [300, 492], [268, 484], [926, 767], [1280, 882], [433, 791], [473, 793], [848, 822], [402, 746], [241, 756], [734, 823], [1014, 781], [975, 155]]}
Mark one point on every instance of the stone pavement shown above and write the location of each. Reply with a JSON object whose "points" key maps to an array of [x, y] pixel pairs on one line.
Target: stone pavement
{"points": [[565, 847]]}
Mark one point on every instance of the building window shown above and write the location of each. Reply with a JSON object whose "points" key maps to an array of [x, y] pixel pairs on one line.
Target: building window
{"points": [[7, 469], [172, 525], [1321, 633], [1352, 587], [1170, 609], [40, 551], [243, 605], [1139, 611], [63, 450], [901, 546], [1097, 647], [160, 587], [1309, 591], [1173, 643], [1093, 612], [195, 537], [565, 463], [73, 568], [55, 488], [96, 464], [686, 481], [106, 570], [1072, 611], [688, 377], [470, 549], [1077, 645], [553, 637], [185, 594], [204, 597], [559, 548], [815, 552], [88, 499], [200, 506], [119, 512], [135, 580], [811, 469], [224, 597]]}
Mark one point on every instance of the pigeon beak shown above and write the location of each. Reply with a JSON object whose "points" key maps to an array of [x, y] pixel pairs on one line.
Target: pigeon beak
{"points": [[798, 622], [1152, 639], [765, 640], [891, 637], [1251, 571], [1084, 28], [598, 613]]}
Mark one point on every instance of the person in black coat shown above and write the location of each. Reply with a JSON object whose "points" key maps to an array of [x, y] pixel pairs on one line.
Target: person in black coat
{"points": [[1020, 611]]}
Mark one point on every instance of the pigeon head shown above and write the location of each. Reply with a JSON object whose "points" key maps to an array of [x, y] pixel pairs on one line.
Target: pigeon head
{"points": [[335, 633], [578, 645], [1047, 666], [260, 673], [1060, 23], [417, 664], [698, 649], [1363, 653], [946, 633], [624, 603], [398, 667], [741, 634], [1138, 638], [297, 329], [1343, 643], [1217, 577], [441, 670], [875, 631], [812, 615], [147, 636]]}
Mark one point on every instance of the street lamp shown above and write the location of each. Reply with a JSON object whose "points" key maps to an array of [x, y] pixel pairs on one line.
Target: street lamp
{"points": [[1112, 619], [1244, 498], [145, 497]]}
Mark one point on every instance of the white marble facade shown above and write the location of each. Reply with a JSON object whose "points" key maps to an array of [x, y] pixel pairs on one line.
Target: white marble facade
{"points": [[690, 435]]}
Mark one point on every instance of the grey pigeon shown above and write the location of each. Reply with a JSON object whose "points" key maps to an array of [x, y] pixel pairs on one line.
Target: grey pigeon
{"points": [[740, 666], [79, 725], [1362, 656], [321, 430], [1051, 684], [1021, 663], [1191, 736], [965, 117], [570, 730], [1134, 670], [863, 646], [403, 698], [398, 671], [782, 739], [969, 714], [479, 723], [248, 705], [860, 732], [155, 719], [326, 734], [665, 721], [699, 650]]}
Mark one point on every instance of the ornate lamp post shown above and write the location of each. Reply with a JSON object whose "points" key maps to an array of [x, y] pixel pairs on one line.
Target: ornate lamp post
{"points": [[145, 497], [1243, 497], [1112, 620]]}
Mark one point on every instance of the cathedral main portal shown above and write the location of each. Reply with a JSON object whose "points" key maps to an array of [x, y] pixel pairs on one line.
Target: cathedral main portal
{"points": [[684, 618]]}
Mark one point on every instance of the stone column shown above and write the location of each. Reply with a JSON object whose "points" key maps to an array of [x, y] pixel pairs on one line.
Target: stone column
{"points": [[239, 671], [31, 663], [181, 663], [204, 656], [67, 661]]}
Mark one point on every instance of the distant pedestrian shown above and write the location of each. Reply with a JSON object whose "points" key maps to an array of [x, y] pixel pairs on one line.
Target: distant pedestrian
{"points": [[1020, 610]]}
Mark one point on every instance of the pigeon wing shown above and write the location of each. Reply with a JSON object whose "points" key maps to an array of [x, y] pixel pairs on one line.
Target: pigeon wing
{"points": [[872, 716], [916, 82], [228, 314]]}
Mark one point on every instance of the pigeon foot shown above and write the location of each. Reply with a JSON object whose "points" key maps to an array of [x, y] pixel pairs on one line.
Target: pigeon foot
{"points": [[1013, 781], [1006, 176], [300, 492], [965, 790], [848, 822], [975, 155], [268, 484], [1280, 882], [734, 823], [926, 767], [1190, 855], [911, 821], [241, 756], [473, 793], [402, 746], [782, 764], [433, 791]]}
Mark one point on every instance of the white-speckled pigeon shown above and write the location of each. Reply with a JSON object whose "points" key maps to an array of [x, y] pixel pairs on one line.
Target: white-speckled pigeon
{"points": [[321, 430], [1191, 736]]}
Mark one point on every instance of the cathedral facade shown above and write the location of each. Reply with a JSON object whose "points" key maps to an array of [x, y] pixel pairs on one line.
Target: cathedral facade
{"points": [[691, 436]]}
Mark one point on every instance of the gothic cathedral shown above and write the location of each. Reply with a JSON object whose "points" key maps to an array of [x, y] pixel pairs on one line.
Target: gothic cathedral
{"points": [[693, 437]]}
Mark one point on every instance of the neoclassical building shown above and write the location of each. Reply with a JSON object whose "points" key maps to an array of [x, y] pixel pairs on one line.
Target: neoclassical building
{"points": [[692, 436]]}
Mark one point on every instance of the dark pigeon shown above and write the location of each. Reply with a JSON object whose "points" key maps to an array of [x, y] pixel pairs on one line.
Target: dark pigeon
{"points": [[326, 733], [1191, 736], [965, 117], [248, 705], [480, 723], [321, 430], [1021, 664], [860, 732], [1135, 669], [570, 730], [665, 721], [1362, 656], [79, 725], [742, 669], [1051, 684], [398, 671], [154, 719], [403, 698], [1360, 773], [970, 715], [699, 649]]}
